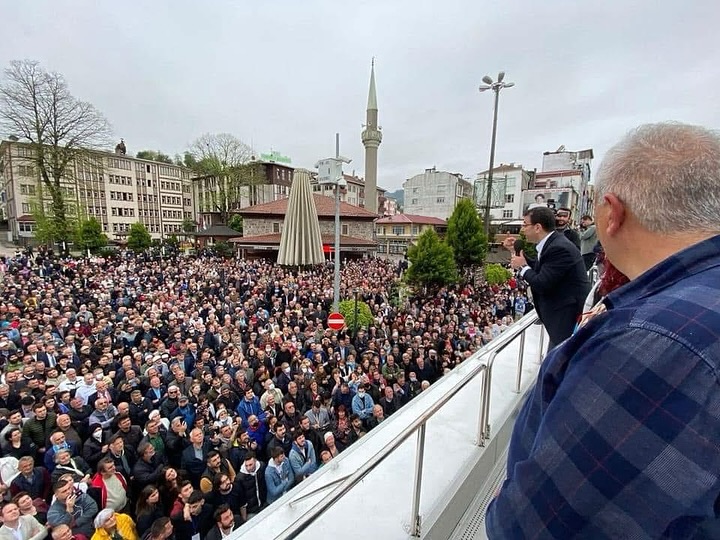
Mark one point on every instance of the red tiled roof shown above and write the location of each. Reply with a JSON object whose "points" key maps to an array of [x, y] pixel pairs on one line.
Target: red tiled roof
{"points": [[325, 207], [326, 239], [26, 217], [410, 218]]}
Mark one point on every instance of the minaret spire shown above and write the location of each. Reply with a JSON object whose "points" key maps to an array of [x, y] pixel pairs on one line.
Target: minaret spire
{"points": [[372, 95], [371, 139]]}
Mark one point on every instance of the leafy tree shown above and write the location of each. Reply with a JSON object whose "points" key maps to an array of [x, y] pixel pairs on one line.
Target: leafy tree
{"points": [[465, 235], [89, 235], [172, 242], [364, 315], [497, 274], [528, 248], [188, 225], [153, 155], [46, 228], [139, 238], [432, 262], [236, 222], [229, 161], [60, 131], [223, 249]]}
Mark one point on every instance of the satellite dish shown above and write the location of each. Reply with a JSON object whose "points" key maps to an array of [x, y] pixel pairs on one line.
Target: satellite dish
{"points": [[561, 149]]}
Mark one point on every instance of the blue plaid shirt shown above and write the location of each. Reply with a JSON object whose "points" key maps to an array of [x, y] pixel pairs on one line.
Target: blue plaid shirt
{"points": [[620, 437]]}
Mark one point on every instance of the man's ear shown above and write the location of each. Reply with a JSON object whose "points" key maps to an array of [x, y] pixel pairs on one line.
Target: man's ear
{"points": [[614, 212]]}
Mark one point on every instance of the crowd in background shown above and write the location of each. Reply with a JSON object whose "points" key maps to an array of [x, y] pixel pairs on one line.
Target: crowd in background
{"points": [[149, 398]]}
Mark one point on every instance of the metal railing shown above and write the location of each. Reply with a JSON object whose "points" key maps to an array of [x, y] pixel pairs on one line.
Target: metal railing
{"points": [[485, 359]]}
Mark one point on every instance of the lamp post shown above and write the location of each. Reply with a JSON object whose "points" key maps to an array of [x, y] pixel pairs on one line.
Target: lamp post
{"points": [[330, 172], [495, 87], [355, 321]]}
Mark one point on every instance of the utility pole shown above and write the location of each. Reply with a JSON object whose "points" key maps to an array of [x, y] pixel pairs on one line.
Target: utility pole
{"points": [[330, 172]]}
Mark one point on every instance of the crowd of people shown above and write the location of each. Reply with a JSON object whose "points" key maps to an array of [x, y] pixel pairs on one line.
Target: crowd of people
{"points": [[150, 398]]}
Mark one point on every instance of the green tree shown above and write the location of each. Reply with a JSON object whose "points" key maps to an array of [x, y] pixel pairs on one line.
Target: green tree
{"points": [[432, 264], [188, 225], [154, 155], [223, 249], [497, 274], [89, 235], [465, 235], [528, 248], [229, 160], [139, 238], [236, 222], [59, 131], [364, 314], [46, 228]]}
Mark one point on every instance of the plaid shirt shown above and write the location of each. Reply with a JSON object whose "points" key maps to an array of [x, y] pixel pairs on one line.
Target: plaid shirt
{"points": [[620, 437]]}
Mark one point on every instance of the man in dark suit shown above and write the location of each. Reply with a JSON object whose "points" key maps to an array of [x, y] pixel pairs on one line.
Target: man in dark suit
{"points": [[557, 277]]}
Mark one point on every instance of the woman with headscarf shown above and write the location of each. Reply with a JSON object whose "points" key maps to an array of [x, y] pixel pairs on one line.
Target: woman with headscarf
{"points": [[110, 525]]}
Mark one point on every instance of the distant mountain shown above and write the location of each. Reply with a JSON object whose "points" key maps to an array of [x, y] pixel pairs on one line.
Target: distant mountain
{"points": [[398, 195]]}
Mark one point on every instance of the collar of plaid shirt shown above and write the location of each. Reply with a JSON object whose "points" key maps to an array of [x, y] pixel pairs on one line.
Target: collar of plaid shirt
{"points": [[620, 437]]}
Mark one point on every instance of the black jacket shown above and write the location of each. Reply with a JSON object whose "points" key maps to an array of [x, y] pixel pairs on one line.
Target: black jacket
{"points": [[559, 286]]}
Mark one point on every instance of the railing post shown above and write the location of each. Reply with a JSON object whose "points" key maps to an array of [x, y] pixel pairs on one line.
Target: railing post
{"points": [[521, 353], [419, 456], [481, 415], [542, 344]]}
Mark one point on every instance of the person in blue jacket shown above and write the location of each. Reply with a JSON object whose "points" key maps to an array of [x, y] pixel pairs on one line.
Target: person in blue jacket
{"points": [[302, 456], [278, 475]]}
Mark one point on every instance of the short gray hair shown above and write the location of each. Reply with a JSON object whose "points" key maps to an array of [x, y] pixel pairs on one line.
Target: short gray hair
{"points": [[668, 176]]}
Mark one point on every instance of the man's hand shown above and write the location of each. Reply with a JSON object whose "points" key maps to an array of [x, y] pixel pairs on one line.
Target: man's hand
{"points": [[518, 261], [70, 503], [509, 243]]}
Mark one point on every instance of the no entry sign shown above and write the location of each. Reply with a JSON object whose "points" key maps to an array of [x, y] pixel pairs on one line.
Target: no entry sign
{"points": [[336, 321]]}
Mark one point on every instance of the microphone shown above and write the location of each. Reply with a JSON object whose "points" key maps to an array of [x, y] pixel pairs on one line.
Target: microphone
{"points": [[517, 246]]}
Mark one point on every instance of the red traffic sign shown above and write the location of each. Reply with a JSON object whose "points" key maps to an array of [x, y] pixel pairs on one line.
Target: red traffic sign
{"points": [[336, 321]]}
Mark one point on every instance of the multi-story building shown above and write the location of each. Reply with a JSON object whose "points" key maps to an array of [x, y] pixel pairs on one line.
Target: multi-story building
{"points": [[116, 189], [508, 184], [353, 193], [395, 234], [435, 193], [563, 182], [275, 179]]}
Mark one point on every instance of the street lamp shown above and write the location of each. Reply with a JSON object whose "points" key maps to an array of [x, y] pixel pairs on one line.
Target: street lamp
{"points": [[355, 320], [495, 87], [330, 172]]}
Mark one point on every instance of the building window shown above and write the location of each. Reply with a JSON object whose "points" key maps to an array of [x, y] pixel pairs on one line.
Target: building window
{"points": [[396, 230], [25, 208], [345, 229], [414, 201], [415, 190], [276, 227], [414, 229], [507, 214], [440, 200], [509, 197]]}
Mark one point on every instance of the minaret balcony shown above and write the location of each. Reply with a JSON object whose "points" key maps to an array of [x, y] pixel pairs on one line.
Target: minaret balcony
{"points": [[371, 137]]}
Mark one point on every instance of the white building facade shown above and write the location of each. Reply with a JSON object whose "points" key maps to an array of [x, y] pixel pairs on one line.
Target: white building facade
{"points": [[435, 193], [509, 183]]}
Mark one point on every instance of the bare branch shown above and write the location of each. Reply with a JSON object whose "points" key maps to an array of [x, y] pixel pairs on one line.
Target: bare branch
{"points": [[38, 108]]}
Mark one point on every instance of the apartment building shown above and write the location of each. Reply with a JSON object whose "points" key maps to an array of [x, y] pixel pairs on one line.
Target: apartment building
{"points": [[396, 233], [117, 189], [435, 193], [509, 182], [353, 193], [273, 182]]}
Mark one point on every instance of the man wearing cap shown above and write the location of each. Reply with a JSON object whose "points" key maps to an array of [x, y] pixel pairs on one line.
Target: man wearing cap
{"points": [[185, 409]]}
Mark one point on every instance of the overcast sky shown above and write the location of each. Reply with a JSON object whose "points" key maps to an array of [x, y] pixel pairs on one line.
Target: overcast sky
{"points": [[288, 74]]}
